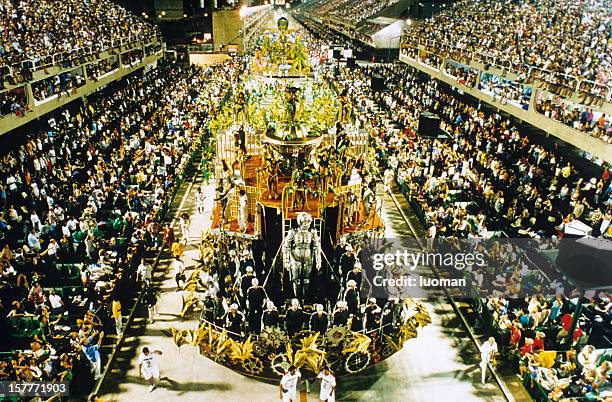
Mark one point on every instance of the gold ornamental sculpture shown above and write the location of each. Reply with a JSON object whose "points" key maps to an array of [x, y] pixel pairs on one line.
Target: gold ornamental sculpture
{"points": [[267, 355]]}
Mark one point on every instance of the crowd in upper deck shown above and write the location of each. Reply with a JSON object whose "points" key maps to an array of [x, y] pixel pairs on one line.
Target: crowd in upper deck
{"points": [[354, 12], [34, 29], [561, 37]]}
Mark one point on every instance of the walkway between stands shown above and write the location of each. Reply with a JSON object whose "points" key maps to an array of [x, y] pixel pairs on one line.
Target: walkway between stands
{"points": [[448, 368]]}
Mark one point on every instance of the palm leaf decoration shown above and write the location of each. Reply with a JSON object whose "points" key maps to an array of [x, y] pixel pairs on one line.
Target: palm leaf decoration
{"points": [[422, 316], [241, 350], [359, 343], [182, 337]]}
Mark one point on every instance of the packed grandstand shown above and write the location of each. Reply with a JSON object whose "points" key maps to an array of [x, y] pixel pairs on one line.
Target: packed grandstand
{"points": [[89, 190]]}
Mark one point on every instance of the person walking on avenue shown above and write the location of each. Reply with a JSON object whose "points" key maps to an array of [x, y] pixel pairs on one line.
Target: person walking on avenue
{"points": [[178, 266], [184, 225], [144, 273], [116, 314], [200, 200], [431, 235], [206, 172], [148, 367], [488, 350], [328, 385], [288, 385], [149, 299]]}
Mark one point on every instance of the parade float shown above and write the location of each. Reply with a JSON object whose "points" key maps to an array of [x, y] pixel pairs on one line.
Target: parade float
{"points": [[295, 179]]}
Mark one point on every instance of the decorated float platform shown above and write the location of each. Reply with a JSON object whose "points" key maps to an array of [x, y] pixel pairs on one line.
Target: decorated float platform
{"points": [[295, 178], [248, 167]]}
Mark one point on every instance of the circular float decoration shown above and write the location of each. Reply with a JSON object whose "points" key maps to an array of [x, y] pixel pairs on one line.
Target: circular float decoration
{"points": [[268, 355]]}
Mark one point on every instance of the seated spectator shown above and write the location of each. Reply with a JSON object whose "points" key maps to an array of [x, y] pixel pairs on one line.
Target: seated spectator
{"points": [[100, 23], [536, 38]]}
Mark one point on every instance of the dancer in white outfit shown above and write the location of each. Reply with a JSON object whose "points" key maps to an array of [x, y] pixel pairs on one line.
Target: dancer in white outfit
{"points": [[487, 355], [242, 210], [328, 385], [147, 365], [288, 385]]}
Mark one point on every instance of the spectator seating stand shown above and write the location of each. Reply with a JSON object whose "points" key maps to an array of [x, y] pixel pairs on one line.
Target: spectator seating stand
{"points": [[593, 146], [150, 47]]}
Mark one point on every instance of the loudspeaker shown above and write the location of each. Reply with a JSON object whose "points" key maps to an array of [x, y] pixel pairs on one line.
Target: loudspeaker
{"points": [[337, 54], [429, 125], [586, 262], [378, 83], [350, 62]]}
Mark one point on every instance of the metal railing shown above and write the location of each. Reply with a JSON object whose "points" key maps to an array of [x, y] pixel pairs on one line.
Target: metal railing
{"points": [[58, 58], [552, 77]]}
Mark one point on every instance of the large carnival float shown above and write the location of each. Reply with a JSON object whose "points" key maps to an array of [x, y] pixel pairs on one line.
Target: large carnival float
{"points": [[295, 183]]}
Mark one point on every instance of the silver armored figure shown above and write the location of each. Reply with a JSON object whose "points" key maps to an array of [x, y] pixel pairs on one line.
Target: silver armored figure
{"points": [[301, 250]]}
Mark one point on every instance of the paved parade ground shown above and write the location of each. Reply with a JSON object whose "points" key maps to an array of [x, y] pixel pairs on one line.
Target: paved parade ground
{"points": [[441, 364]]}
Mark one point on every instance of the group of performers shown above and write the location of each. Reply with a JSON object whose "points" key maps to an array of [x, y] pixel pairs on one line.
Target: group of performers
{"points": [[236, 299]]}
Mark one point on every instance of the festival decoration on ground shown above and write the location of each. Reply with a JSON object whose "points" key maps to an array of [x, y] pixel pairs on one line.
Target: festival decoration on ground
{"points": [[182, 337], [191, 303]]}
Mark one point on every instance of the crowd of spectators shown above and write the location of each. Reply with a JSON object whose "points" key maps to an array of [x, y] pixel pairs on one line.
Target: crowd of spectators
{"points": [[61, 85], [581, 118], [81, 202], [487, 180], [563, 40], [132, 57], [552, 104], [464, 75], [328, 37], [534, 334], [486, 176], [99, 68], [505, 90], [35, 29], [13, 102], [431, 59], [346, 10]]}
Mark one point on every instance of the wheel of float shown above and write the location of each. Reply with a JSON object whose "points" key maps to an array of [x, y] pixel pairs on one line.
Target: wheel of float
{"points": [[253, 366], [356, 362], [280, 364]]}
